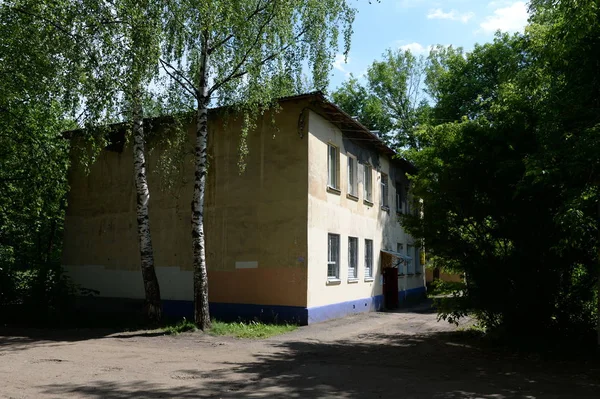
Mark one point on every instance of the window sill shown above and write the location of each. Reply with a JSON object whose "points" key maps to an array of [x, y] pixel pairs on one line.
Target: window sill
{"points": [[333, 190], [369, 279], [333, 281], [352, 197], [385, 208], [399, 213], [352, 280], [367, 202]]}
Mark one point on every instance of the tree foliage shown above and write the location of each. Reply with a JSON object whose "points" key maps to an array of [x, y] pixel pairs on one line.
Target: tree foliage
{"points": [[509, 177], [393, 101]]}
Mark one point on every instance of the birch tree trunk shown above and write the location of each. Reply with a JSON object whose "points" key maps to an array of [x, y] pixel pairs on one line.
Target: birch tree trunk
{"points": [[201, 311], [151, 287]]}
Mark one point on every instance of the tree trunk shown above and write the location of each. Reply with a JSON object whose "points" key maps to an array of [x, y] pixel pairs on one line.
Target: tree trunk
{"points": [[201, 311], [151, 287]]}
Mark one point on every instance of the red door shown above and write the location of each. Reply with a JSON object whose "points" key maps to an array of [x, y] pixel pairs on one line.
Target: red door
{"points": [[390, 287]]}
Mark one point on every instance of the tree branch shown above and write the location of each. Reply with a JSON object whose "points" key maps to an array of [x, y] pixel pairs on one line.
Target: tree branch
{"points": [[190, 87], [234, 75]]}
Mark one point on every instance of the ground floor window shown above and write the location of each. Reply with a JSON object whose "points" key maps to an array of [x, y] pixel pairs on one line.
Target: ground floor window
{"points": [[333, 256], [352, 257], [368, 258]]}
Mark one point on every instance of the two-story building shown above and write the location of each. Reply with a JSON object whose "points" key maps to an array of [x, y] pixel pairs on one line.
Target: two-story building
{"points": [[301, 234]]}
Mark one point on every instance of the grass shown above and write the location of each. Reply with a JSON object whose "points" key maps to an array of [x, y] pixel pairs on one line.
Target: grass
{"points": [[179, 327], [251, 329]]}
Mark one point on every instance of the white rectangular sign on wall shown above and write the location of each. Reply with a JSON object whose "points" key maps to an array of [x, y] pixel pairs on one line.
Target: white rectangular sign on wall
{"points": [[246, 265]]}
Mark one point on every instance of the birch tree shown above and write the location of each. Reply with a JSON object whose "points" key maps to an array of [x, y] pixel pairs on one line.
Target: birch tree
{"points": [[142, 39], [244, 53]]}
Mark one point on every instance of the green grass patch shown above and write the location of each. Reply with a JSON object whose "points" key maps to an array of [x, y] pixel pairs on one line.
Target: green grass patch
{"points": [[250, 329], [179, 327]]}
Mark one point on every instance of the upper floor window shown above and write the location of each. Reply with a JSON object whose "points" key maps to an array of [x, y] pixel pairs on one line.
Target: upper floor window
{"points": [[352, 176], [399, 197], [368, 183], [333, 156], [384, 190]]}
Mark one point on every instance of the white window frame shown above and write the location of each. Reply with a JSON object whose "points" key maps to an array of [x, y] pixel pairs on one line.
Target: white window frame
{"points": [[352, 180], [402, 267], [352, 259], [368, 259], [368, 183], [410, 267], [399, 200], [333, 257], [333, 175], [384, 190]]}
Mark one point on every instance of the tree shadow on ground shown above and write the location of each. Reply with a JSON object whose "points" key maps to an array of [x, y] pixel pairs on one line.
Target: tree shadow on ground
{"points": [[378, 365]]}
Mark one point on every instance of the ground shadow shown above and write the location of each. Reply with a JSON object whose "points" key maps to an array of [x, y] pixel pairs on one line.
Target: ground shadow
{"points": [[377, 365]]}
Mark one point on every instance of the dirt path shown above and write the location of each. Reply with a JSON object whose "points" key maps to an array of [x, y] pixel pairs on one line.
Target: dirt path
{"points": [[377, 355]]}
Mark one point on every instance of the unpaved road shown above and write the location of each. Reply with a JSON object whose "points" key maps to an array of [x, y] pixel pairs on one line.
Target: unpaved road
{"points": [[377, 355]]}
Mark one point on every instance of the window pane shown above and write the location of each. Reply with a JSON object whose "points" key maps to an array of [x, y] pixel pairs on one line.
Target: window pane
{"points": [[368, 184], [384, 190], [351, 175], [333, 256], [352, 257], [368, 258]]}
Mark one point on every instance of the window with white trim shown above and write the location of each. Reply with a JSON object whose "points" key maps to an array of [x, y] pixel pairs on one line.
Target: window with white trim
{"points": [[411, 263], [368, 258], [352, 257], [333, 156], [368, 183], [384, 190], [352, 176], [399, 197], [402, 265], [333, 256]]}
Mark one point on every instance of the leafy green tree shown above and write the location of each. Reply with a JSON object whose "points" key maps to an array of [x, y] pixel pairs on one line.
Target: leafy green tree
{"points": [[509, 177], [35, 85], [359, 103], [393, 101], [244, 53]]}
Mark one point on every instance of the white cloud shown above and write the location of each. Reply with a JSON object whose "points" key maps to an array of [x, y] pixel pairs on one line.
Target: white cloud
{"points": [[453, 15], [511, 18], [415, 48], [339, 61]]}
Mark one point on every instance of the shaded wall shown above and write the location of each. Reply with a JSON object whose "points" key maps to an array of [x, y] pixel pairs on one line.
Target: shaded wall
{"points": [[255, 222]]}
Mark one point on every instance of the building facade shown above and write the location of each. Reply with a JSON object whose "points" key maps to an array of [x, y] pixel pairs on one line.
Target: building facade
{"points": [[298, 235]]}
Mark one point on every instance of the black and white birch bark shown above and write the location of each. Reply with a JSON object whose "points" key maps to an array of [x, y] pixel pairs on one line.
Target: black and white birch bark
{"points": [[201, 310], [151, 288]]}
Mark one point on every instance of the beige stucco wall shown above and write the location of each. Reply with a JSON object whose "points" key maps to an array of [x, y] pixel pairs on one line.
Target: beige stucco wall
{"points": [[255, 222], [330, 212]]}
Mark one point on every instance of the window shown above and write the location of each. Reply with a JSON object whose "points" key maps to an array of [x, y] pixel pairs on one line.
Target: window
{"points": [[332, 167], [411, 263], [417, 261], [352, 176], [401, 266], [368, 184], [399, 189], [384, 190], [333, 256], [352, 258], [407, 203], [368, 258]]}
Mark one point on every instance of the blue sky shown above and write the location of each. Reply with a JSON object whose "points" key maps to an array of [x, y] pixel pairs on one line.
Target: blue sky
{"points": [[419, 24]]}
